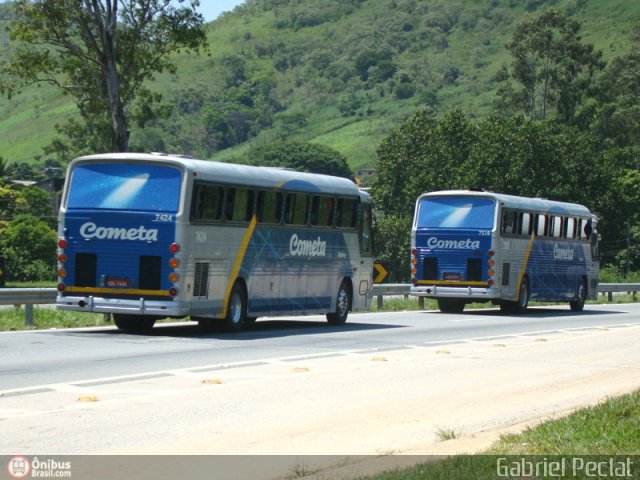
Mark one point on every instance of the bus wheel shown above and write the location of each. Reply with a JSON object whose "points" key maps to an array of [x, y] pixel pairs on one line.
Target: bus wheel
{"points": [[523, 298], [343, 304], [451, 305], [236, 309], [133, 323], [581, 295]]}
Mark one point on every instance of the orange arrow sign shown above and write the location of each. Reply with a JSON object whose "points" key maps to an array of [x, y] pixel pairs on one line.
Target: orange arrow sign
{"points": [[381, 273]]}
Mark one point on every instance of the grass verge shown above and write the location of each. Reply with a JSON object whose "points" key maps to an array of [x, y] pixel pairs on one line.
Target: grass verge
{"points": [[12, 318], [605, 435]]}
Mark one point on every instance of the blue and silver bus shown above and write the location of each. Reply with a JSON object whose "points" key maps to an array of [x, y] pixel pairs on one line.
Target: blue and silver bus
{"points": [[475, 246], [150, 236]]}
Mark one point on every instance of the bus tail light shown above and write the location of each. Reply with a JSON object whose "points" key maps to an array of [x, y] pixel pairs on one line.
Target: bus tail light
{"points": [[62, 258], [174, 248], [174, 263], [174, 277], [61, 287], [414, 262], [62, 273], [62, 243], [173, 291]]}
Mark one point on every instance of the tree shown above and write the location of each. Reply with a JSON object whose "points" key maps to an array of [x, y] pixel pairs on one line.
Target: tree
{"points": [[619, 97], [423, 154], [516, 155], [99, 51], [304, 157], [552, 66], [29, 247]]}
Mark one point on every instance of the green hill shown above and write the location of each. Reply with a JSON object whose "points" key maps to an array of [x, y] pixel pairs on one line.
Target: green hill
{"points": [[337, 72]]}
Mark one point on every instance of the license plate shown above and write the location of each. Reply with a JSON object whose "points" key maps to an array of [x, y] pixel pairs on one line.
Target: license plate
{"points": [[117, 282], [451, 276]]}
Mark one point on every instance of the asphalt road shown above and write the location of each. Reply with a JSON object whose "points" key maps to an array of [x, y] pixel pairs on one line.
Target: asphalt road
{"points": [[382, 384], [33, 359]]}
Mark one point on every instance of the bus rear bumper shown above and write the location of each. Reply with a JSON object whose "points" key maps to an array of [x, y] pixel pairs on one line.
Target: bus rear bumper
{"points": [[468, 292], [156, 308]]}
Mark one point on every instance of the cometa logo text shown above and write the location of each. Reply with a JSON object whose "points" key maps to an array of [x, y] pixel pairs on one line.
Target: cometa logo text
{"points": [[91, 230], [308, 248], [467, 244]]}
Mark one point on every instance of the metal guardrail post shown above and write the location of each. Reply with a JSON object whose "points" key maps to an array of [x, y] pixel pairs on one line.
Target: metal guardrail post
{"points": [[28, 315]]}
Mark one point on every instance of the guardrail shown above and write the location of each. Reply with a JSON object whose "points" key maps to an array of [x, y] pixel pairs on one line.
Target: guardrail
{"points": [[43, 296], [27, 297], [398, 289]]}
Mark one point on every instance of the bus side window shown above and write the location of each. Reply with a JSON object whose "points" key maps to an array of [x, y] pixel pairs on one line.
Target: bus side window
{"points": [[595, 249], [207, 203], [365, 230], [197, 208], [581, 235], [555, 227], [295, 211], [587, 230], [541, 225], [525, 224], [563, 233], [269, 206], [245, 205], [347, 213], [509, 218], [321, 211], [571, 228], [228, 203], [213, 203]]}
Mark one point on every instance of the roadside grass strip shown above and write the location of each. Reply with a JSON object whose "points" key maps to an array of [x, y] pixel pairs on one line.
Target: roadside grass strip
{"points": [[594, 442]]}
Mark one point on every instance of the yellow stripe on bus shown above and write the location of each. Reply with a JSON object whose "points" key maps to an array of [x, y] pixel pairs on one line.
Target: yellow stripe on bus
{"points": [[123, 291], [453, 283], [525, 261], [238, 262]]}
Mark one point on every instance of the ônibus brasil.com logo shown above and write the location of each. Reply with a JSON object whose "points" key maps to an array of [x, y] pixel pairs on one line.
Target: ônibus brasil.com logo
{"points": [[19, 467], [22, 467]]}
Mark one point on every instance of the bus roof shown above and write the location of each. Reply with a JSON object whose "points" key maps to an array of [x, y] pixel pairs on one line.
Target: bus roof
{"points": [[238, 174], [513, 201]]}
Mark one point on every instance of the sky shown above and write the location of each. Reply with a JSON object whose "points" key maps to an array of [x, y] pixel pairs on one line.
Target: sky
{"points": [[210, 9]]}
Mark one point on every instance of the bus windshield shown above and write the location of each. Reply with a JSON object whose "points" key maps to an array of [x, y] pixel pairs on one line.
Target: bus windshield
{"points": [[125, 186], [456, 212]]}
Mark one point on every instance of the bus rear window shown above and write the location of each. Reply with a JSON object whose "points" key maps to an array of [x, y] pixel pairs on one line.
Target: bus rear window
{"points": [[120, 186], [456, 212]]}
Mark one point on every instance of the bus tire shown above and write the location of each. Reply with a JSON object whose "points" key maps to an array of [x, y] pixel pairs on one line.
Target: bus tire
{"points": [[577, 305], [451, 305], [133, 323], [522, 302], [343, 305], [236, 309]]}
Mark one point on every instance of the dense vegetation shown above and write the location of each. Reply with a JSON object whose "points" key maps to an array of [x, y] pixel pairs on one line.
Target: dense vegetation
{"points": [[349, 76], [338, 73]]}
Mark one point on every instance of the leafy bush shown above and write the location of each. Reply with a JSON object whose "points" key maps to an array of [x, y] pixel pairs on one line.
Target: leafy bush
{"points": [[28, 246]]}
